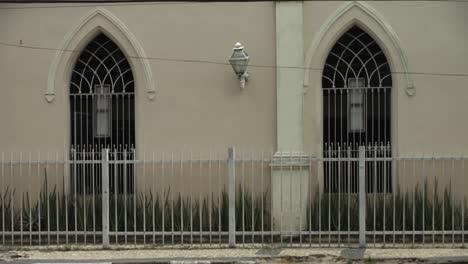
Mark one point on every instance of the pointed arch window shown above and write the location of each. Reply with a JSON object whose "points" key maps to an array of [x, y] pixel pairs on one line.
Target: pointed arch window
{"points": [[102, 98], [356, 84]]}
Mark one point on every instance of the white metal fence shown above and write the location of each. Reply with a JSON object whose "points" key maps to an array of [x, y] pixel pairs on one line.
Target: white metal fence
{"points": [[225, 199]]}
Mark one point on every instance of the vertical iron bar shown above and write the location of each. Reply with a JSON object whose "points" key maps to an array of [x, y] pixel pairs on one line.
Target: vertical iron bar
{"points": [[200, 205], [12, 199], [75, 198], [320, 193], [243, 196], [116, 189], [48, 197], [374, 194], [300, 211], [105, 198], [67, 162], [384, 152], [97, 185], [191, 197], [330, 190], [362, 196], [335, 141], [453, 200], [125, 191], [404, 199], [210, 196], [261, 195], [463, 201], [349, 195], [57, 226], [423, 197], [39, 203], [3, 201], [133, 163], [414, 199], [379, 126], [252, 194], [219, 196], [144, 196], [93, 177], [339, 192], [181, 198], [310, 200], [443, 205], [290, 197], [271, 207], [433, 199], [172, 198], [116, 180], [281, 198], [153, 198], [232, 195], [163, 199], [394, 190], [84, 175], [21, 202]]}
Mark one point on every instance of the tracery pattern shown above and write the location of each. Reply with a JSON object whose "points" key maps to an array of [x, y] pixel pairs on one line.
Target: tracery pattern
{"points": [[102, 114], [356, 84]]}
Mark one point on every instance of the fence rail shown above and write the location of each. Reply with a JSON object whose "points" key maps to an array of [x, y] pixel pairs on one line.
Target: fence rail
{"points": [[350, 196]]}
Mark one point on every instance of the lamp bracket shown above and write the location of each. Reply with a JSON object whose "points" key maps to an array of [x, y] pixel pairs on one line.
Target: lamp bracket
{"points": [[243, 78]]}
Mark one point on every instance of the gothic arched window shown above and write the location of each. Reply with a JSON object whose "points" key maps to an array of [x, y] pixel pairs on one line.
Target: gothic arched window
{"points": [[356, 84], [102, 112]]}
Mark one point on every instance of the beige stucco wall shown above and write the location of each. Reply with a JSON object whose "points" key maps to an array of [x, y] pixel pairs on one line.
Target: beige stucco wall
{"points": [[196, 104], [431, 35], [199, 104], [431, 121]]}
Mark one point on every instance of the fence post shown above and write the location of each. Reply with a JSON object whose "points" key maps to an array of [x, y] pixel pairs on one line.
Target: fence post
{"points": [[232, 195], [105, 198], [362, 196]]}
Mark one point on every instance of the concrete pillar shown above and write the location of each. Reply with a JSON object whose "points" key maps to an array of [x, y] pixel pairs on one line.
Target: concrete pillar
{"points": [[289, 169], [289, 75], [290, 186]]}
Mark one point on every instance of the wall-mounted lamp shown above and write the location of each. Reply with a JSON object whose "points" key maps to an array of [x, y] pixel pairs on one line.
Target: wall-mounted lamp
{"points": [[239, 61]]}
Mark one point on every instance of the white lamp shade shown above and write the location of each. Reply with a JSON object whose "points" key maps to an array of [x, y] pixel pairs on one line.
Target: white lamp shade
{"points": [[239, 59]]}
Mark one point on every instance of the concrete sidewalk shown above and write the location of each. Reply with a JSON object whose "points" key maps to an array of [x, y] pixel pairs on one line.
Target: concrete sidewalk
{"points": [[248, 255]]}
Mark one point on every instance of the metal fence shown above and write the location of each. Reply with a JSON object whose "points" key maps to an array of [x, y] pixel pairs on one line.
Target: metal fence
{"points": [[353, 197]]}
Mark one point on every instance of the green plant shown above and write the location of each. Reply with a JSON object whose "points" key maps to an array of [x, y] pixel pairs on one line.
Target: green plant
{"points": [[438, 211], [52, 210]]}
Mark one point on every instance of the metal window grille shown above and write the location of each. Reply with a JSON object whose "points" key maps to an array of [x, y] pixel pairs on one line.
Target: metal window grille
{"points": [[102, 113], [356, 84]]}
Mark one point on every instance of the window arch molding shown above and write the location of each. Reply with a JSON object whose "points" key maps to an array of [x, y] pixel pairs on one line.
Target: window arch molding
{"points": [[364, 16], [95, 22], [340, 21]]}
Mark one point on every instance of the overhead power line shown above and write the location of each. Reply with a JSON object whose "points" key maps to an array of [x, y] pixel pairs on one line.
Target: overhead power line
{"points": [[45, 5], [81, 4], [223, 63]]}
